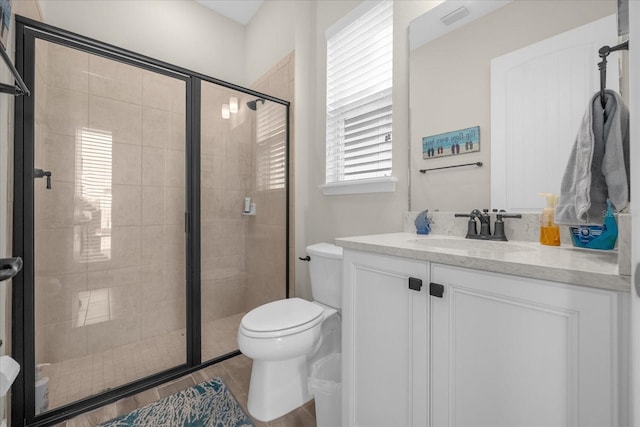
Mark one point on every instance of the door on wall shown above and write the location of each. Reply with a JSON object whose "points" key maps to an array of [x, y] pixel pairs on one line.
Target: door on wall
{"points": [[538, 97], [104, 201]]}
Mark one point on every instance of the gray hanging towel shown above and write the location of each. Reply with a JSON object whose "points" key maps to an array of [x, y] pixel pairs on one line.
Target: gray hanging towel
{"points": [[598, 167]]}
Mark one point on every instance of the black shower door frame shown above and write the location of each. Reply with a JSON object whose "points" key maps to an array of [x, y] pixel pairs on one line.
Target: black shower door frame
{"points": [[23, 294]]}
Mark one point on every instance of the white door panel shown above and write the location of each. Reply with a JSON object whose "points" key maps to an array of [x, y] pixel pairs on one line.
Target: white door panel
{"points": [[538, 97]]}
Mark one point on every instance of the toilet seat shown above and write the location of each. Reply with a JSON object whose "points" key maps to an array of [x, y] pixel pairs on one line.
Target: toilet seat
{"points": [[281, 318]]}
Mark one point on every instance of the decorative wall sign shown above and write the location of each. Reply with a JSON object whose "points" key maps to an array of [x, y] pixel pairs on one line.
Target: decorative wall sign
{"points": [[5, 21], [451, 143]]}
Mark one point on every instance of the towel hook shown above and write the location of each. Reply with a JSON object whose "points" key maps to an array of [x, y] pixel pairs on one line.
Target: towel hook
{"points": [[602, 66]]}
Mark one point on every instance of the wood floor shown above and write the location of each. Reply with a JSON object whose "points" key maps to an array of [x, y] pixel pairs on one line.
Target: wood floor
{"points": [[235, 372]]}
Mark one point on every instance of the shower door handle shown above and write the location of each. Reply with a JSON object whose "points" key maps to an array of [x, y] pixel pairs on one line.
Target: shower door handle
{"points": [[9, 267]]}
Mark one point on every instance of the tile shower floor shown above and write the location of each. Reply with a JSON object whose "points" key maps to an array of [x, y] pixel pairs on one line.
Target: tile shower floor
{"points": [[235, 373], [85, 376]]}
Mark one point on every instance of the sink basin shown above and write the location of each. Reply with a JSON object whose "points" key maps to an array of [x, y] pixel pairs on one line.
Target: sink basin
{"points": [[445, 242]]}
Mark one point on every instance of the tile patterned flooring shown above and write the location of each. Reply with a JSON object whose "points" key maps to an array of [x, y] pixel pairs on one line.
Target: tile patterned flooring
{"points": [[235, 372], [74, 379], [77, 378]]}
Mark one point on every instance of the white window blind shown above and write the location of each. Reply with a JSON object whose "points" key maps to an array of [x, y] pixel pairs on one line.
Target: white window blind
{"points": [[271, 153], [359, 97], [92, 212]]}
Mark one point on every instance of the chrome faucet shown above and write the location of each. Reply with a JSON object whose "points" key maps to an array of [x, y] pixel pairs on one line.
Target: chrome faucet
{"points": [[484, 217]]}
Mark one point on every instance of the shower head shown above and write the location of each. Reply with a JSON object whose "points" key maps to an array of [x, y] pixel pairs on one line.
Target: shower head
{"points": [[253, 105]]}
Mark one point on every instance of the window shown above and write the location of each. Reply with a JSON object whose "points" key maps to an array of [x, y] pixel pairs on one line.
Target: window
{"points": [[92, 213], [271, 141], [359, 96]]}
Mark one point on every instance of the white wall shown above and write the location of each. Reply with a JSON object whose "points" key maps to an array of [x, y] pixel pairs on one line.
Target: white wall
{"points": [[328, 217], [179, 32], [450, 89], [336, 216], [271, 35], [318, 217]]}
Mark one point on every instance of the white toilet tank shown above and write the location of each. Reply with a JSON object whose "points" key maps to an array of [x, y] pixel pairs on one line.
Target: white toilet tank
{"points": [[325, 269]]}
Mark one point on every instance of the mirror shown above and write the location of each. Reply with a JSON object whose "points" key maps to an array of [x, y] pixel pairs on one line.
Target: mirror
{"points": [[451, 89]]}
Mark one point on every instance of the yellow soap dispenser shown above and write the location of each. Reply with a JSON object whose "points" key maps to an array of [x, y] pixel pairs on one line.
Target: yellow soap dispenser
{"points": [[549, 230]]}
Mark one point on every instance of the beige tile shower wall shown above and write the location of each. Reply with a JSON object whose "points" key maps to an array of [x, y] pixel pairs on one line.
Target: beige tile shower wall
{"points": [[163, 241], [225, 176], [88, 304], [61, 107], [266, 236]]}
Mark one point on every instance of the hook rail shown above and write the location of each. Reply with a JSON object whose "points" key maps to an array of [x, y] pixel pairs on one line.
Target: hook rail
{"points": [[479, 164]]}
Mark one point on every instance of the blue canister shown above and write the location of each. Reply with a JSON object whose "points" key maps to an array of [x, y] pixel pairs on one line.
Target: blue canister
{"points": [[596, 236], [423, 223]]}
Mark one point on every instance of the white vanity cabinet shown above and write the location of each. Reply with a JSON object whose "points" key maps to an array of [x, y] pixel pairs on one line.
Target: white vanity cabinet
{"points": [[385, 341], [511, 351], [494, 350]]}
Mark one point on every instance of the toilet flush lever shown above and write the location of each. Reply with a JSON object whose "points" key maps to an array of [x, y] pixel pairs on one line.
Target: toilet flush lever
{"points": [[39, 173], [307, 258]]}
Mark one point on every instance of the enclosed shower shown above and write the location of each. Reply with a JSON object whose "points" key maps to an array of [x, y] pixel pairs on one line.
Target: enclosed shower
{"points": [[140, 259]]}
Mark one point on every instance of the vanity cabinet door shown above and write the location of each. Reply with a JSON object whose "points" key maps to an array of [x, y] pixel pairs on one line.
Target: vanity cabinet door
{"points": [[385, 341], [510, 351]]}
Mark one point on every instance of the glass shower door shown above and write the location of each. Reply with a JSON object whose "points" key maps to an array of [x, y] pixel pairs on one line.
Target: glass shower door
{"points": [[243, 253], [109, 203]]}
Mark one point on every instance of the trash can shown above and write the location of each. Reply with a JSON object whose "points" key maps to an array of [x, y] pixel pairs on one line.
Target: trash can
{"points": [[325, 383]]}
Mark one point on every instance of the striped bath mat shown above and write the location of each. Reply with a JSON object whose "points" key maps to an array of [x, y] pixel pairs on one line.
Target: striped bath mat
{"points": [[209, 404]]}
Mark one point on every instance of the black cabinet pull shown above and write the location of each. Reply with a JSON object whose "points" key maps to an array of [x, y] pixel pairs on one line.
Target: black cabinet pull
{"points": [[415, 284], [436, 290]]}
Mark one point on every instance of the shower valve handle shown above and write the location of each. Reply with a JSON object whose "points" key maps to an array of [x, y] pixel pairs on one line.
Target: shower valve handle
{"points": [[39, 173]]}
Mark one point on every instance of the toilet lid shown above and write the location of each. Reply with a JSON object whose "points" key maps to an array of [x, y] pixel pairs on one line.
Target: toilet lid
{"points": [[281, 315]]}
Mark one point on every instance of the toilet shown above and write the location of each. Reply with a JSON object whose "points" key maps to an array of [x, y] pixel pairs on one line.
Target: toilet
{"points": [[285, 337]]}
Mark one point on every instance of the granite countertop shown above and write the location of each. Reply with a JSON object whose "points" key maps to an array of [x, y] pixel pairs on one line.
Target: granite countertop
{"points": [[565, 264]]}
